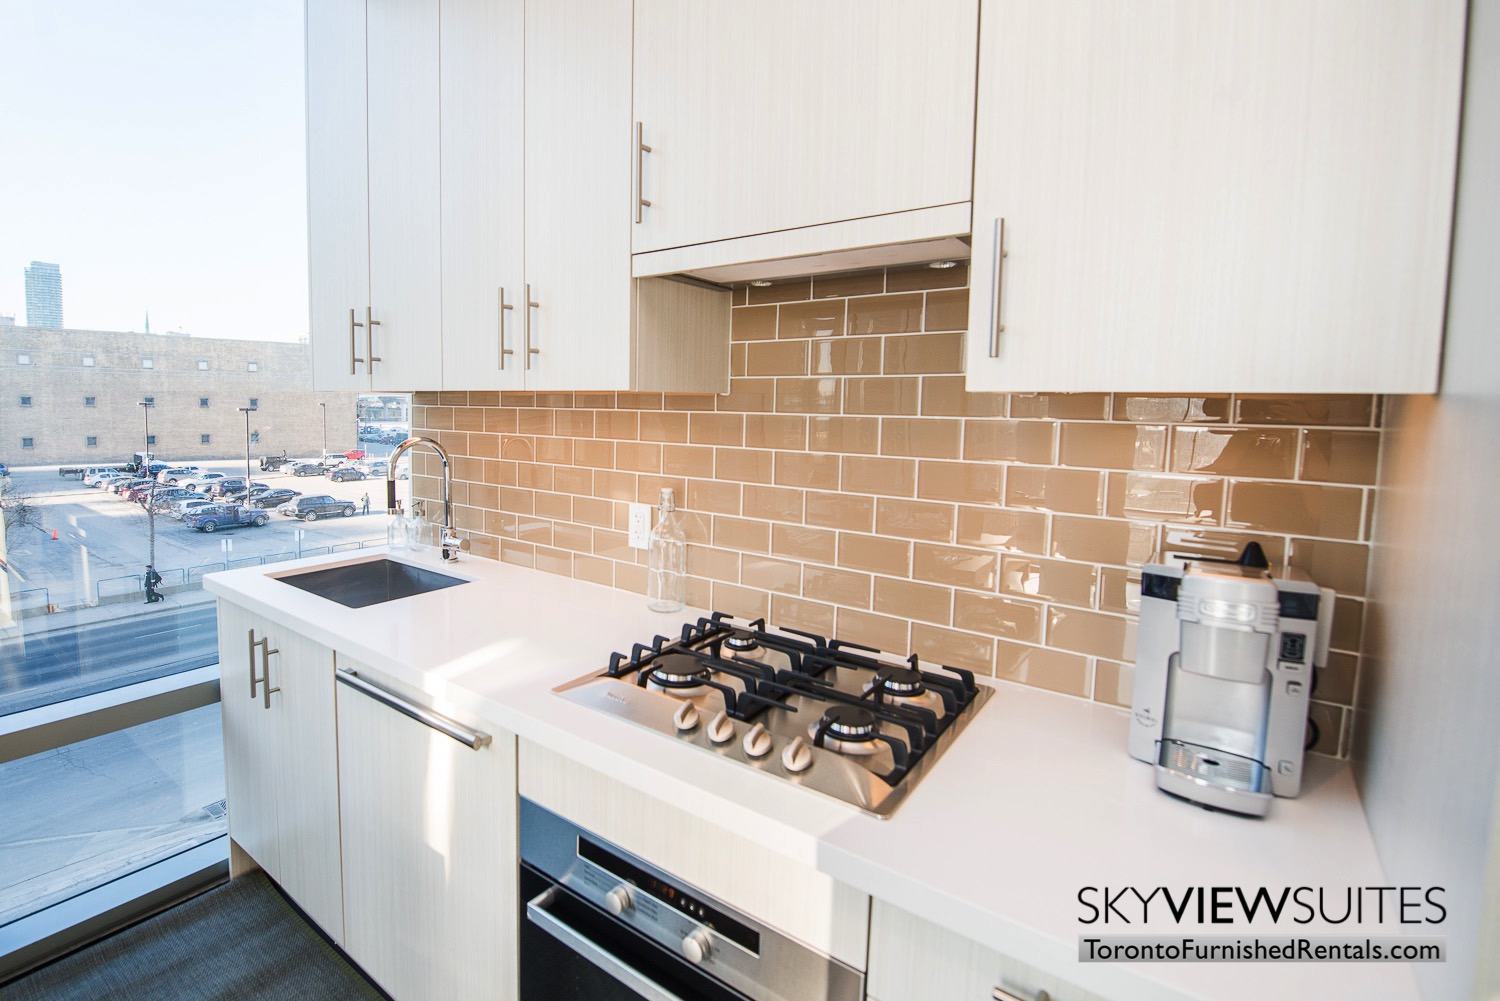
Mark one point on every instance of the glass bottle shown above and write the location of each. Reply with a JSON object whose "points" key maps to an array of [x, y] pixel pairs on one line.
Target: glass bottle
{"points": [[395, 528], [666, 579]]}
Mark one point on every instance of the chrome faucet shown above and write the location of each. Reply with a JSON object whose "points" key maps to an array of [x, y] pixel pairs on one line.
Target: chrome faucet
{"points": [[449, 544]]}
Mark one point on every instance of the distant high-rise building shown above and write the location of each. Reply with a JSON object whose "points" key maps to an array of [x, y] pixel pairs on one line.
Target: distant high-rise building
{"points": [[44, 296]]}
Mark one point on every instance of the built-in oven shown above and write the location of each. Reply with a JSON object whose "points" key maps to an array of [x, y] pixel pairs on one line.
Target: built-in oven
{"points": [[600, 923]]}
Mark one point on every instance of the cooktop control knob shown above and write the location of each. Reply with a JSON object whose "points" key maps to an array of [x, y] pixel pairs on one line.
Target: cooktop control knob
{"points": [[797, 756], [618, 900], [757, 742], [686, 716], [695, 946], [721, 728]]}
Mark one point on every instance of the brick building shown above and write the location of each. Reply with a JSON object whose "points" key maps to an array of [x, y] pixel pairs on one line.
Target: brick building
{"points": [[71, 397]]}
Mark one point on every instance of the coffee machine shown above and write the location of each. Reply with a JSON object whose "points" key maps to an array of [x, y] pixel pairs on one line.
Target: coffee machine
{"points": [[1224, 669]]}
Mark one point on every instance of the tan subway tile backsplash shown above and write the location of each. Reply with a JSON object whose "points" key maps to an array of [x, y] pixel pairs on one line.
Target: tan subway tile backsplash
{"points": [[849, 483]]}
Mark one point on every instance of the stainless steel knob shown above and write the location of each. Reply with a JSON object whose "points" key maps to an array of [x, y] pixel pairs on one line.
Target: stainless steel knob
{"points": [[696, 946], [618, 900]]}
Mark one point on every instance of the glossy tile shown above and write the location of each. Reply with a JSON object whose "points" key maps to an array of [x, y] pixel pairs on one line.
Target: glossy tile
{"points": [[750, 465], [857, 435], [1348, 624], [841, 511], [1340, 456], [946, 396], [798, 542], [573, 480], [594, 452], [950, 647], [638, 457], [924, 354], [909, 519], [997, 616], [848, 283], [1294, 508], [875, 554], [883, 632], [714, 496], [1074, 491], [782, 504], [1114, 683], [1189, 542], [775, 431], [664, 426], [811, 319], [713, 564], [1093, 633], [809, 396], [1008, 441], [1119, 590], [1061, 406], [1171, 409], [617, 424], [998, 528], [741, 601], [799, 613], [1343, 411], [1343, 566], [921, 437], [767, 574], [741, 534], [908, 599], [781, 290], [1166, 498], [840, 587], [920, 276], [1336, 681], [753, 323], [965, 482], [749, 396], [716, 429], [777, 358], [886, 314], [1100, 540], [1267, 453], [812, 470], [971, 568], [1047, 580], [888, 395], [948, 310], [846, 356], [868, 475], [593, 569], [558, 507], [1113, 446], [687, 460]]}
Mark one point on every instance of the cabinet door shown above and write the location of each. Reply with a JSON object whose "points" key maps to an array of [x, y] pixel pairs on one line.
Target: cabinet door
{"points": [[1210, 197], [773, 115], [405, 245], [250, 747], [306, 775], [429, 835], [481, 105], [579, 145], [338, 243]]}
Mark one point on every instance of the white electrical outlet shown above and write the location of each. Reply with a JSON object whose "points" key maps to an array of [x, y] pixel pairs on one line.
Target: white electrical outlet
{"points": [[640, 526]]}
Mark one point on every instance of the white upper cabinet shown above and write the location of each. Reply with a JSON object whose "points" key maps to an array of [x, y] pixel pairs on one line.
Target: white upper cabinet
{"points": [[338, 240], [1213, 196], [765, 117], [481, 76]]}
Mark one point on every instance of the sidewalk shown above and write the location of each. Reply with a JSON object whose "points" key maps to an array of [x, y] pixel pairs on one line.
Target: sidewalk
{"points": [[39, 625]]}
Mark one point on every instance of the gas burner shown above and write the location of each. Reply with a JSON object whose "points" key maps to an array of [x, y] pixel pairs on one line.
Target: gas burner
{"points": [[742, 643], [899, 682], [682, 681], [848, 730]]}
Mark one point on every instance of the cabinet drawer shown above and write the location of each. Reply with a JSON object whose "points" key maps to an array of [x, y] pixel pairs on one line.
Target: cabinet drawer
{"points": [[915, 960]]}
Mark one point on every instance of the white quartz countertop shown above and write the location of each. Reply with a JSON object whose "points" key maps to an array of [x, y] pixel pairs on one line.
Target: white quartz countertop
{"points": [[1036, 800]]}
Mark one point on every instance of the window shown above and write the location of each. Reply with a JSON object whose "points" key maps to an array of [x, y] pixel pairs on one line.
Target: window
{"points": [[205, 439], [26, 360], [91, 441], [255, 437], [151, 399], [90, 401], [148, 363], [203, 401], [150, 440], [202, 364], [88, 361], [253, 366], [25, 401], [28, 442], [255, 401]]}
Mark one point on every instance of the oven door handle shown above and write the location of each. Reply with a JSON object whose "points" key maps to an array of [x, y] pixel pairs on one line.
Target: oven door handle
{"points": [[628, 976]]}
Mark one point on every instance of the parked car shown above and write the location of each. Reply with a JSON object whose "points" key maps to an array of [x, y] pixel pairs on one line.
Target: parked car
{"points": [[233, 487], [122, 488], [271, 463], [308, 469], [185, 506], [95, 476], [211, 519], [162, 501], [200, 481], [275, 498], [375, 467], [175, 473], [141, 492], [317, 506], [345, 473], [4, 469]]}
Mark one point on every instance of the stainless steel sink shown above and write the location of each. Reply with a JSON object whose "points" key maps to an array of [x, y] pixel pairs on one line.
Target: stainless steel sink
{"points": [[357, 585]]}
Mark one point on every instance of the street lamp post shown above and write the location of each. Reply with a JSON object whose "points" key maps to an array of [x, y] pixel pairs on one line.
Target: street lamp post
{"points": [[146, 406], [325, 428], [247, 411]]}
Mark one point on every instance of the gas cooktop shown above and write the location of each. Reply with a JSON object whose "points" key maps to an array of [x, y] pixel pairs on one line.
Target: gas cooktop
{"points": [[846, 720]]}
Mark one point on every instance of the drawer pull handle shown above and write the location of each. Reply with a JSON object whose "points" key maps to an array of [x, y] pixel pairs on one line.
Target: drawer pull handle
{"points": [[997, 322], [1001, 994], [442, 724]]}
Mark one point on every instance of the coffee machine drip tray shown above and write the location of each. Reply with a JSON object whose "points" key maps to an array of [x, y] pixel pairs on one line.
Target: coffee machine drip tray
{"points": [[1214, 778]]}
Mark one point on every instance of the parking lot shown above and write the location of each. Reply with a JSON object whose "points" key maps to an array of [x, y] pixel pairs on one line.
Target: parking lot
{"points": [[102, 542]]}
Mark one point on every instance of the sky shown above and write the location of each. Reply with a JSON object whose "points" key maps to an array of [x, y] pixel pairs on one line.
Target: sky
{"points": [[155, 152]]}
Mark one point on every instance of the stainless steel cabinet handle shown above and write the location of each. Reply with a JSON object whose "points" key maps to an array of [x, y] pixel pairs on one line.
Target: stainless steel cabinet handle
{"points": [[530, 305], [265, 671], [352, 345], [1001, 994], [254, 644], [997, 325], [370, 324], [640, 150], [587, 948], [471, 738], [503, 349]]}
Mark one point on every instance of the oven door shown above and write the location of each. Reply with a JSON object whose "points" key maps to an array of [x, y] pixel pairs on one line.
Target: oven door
{"points": [[570, 950]]}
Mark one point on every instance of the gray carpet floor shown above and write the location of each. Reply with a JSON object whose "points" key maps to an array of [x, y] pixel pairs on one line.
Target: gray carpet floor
{"points": [[236, 942]]}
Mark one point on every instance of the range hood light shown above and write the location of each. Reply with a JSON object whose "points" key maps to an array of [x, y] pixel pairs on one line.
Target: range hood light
{"points": [[942, 265], [762, 283]]}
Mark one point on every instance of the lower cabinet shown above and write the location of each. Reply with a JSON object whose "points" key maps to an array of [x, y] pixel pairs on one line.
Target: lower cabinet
{"points": [[280, 759], [427, 805], [912, 959]]}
